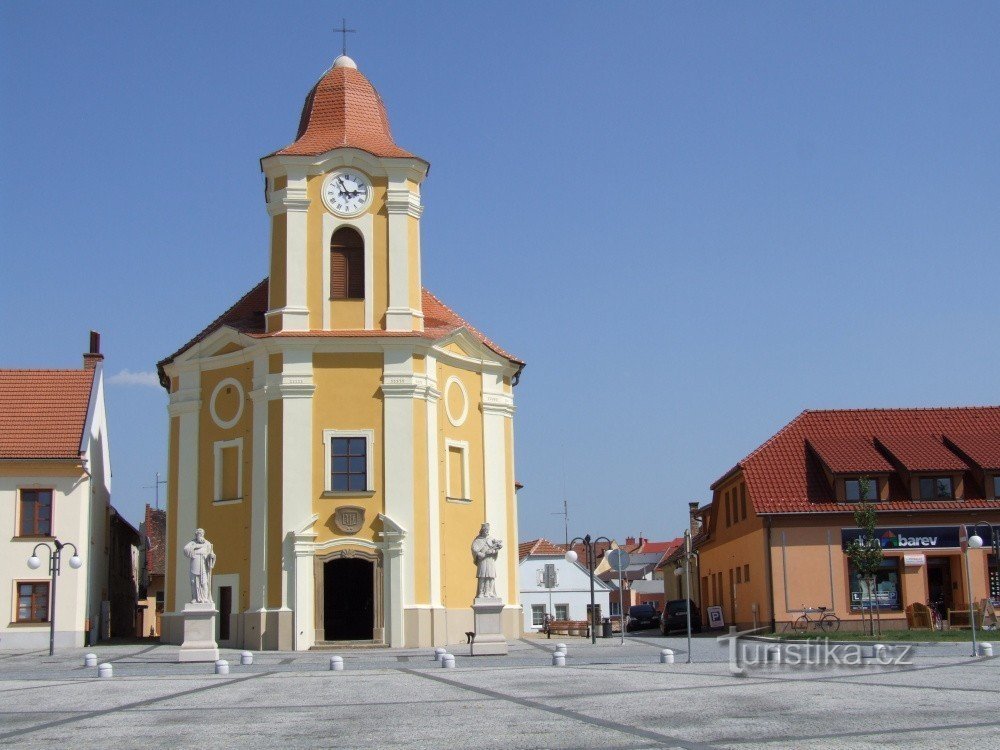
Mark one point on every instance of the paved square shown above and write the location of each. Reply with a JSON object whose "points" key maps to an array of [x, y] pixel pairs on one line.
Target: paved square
{"points": [[608, 696]]}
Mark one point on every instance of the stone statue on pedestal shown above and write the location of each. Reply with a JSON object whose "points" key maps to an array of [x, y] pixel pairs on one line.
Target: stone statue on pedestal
{"points": [[484, 554], [202, 556], [199, 613], [487, 607]]}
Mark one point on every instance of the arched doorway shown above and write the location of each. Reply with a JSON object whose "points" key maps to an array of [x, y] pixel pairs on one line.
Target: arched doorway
{"points": [[349, 599]]}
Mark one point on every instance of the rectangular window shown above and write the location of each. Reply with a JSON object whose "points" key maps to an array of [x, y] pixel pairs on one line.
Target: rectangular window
{"points": [[729, 516], [886, 593], [562, 611], [746, 573], [537, 615], [739, 575], [457, 468], [996, 486], [743, 502], [852, 490], [349, 460], [616, 608], [228, 470], [36, 513], [936, 488], [32, 602]]}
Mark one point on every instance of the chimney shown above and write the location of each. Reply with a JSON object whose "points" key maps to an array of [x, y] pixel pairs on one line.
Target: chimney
{"points": [[695, 522], [630, 541], [91, 358]]}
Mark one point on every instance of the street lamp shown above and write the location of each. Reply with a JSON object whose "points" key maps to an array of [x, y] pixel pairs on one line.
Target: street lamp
{"points": [[55, 560], [572, 557], [976, 542], [688, 556]]}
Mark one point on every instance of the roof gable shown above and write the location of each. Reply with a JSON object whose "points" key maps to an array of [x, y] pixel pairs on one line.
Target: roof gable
{"points": [[43, 413]]}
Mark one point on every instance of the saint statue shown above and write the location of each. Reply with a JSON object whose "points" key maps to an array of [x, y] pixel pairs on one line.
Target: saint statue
{"points": [[202, 556], [484, 555]]}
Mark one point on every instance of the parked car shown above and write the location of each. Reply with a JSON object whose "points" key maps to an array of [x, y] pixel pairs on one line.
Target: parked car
{"points": [[642, 616], [675, 617]]}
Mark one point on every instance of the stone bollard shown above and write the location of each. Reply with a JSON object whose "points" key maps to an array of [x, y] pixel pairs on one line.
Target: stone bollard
{"points": [[222, 667], [773, 655], [439, 653], [667, 656], [560, 648], [90, 660], [986, 649], [105, 670], [559, 659], [246, 658], [447, 661], [336, 663]]}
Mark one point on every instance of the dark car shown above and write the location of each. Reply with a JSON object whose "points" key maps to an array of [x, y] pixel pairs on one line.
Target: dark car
{"points": [[675, 617], [642, 616]]}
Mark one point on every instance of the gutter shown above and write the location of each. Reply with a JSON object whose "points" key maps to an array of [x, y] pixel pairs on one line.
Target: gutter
{"points": [[769, 570]]}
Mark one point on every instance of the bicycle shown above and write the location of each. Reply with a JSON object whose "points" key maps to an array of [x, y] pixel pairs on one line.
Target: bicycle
{"points": [[827, 622]]}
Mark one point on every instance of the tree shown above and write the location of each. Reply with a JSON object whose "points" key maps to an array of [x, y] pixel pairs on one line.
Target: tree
{"points": [[865, 552]]}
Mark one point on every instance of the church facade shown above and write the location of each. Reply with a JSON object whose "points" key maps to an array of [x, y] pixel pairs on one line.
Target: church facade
{"points": [[340, 433]]}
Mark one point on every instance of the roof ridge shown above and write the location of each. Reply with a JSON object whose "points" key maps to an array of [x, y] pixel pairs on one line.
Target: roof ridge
{"points": [[43, 369], [900, 408]]}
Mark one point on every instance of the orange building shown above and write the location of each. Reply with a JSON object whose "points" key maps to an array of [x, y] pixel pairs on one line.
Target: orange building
{"points": [[774, 533]]}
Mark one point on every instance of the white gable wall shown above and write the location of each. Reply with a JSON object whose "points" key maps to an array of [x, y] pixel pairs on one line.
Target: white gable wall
{"points": [[572, 588]]}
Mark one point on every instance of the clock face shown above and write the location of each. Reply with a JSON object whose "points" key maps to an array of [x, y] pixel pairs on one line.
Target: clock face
{"points": [[346, 192]]}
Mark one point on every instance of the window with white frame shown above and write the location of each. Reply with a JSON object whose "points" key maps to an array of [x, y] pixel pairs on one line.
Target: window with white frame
{"points": [[457, 470], [562, 611], [537, 615], [228, 470], [349, 460]]}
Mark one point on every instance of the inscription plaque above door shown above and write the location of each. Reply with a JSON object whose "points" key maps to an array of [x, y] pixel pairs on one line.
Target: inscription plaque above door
{"points": [[349, 519]]}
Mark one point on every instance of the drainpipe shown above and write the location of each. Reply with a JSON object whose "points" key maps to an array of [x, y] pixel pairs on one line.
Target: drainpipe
{"points": [[767, 565]]}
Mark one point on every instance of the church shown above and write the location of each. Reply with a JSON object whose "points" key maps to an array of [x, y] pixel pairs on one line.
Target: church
{"points": [[340, 433]]}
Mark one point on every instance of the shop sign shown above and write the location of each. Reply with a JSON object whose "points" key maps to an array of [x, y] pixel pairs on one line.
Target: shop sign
{"points": [[914, 560], [908, 537]]}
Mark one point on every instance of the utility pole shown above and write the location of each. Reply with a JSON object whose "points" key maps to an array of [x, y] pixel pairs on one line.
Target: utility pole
{"points": [[565, 514]]}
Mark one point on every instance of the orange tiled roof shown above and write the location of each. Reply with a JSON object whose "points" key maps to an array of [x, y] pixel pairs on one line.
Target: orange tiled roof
{"points": [[983, 450], [247, 316], [849, 455], [343, 110], [43, 412], [784, 476], [539, 547]]}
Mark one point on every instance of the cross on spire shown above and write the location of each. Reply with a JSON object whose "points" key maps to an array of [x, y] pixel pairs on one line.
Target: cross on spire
{"points": [[344, 31]]}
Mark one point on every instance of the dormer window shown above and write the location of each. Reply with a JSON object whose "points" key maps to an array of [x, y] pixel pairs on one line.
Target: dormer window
{"points": [[347, 265], [936, 488], [852, 490], [996, 486]]}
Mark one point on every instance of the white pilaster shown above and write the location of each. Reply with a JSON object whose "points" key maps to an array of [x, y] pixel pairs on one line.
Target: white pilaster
{"points": [[433, 482], [393, 548], [293, 201], [303, 545], [185, 403], [294, 386], [258, 488], [496, 406], [402, 204], [399, 388]]}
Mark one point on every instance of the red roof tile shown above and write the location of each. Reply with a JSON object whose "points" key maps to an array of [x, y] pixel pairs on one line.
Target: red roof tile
{"points": [[155, 529], [43, 412], [982, 449], [247, 316], [539, 547], [343, 110], [921, 452], [784, 476], [849, 455]]}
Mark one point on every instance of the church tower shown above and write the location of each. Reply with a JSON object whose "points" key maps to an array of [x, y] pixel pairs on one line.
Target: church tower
{"points": [[340, 433]]}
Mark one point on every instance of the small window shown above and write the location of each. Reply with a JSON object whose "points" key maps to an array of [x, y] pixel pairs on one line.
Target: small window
{"points": [[936, 488], [996, 486], [562, 611], [228, 471], [349, 464], [32, 602], [36, 513], [743, 502], [457, 466], [746, 573], [729, 512], [852, 490], [347, 265], [537, 615], [739, 575]]}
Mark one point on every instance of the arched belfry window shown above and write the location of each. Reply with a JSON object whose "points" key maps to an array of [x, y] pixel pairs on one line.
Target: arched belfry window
{"points": [[347, 265]]}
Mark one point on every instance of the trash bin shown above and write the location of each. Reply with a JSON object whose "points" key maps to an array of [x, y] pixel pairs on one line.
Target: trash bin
{"points": [[606, 627]]}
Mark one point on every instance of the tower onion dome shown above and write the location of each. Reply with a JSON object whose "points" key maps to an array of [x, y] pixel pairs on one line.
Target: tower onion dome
{"points": [[344, 110]]}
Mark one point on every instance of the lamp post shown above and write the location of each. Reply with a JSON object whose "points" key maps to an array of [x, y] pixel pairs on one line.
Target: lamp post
{"points": [[572, 557], [55, 560], [975, 542], [686, 572]]}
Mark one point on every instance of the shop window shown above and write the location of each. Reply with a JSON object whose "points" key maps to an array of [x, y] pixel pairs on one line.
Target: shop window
{"points": [[852, 490], [537, 615], [36, 513], [32, 602], [887, 592], [936, 488]]}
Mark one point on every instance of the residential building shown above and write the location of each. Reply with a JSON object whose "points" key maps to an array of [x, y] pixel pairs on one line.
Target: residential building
{"points": [[55, 484], [551, 585], [779, 520], [340, 433], [124, 575], [673, 565], [153, 531]]}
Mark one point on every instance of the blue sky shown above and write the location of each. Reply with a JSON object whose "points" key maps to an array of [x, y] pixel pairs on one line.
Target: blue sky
{"points": [[692, 220]]}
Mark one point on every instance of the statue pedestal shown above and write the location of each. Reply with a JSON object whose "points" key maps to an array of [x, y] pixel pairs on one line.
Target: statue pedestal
{"points": [[199, 633], [489, 640]]}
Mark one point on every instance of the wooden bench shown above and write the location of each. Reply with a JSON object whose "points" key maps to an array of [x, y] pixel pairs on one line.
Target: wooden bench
{"points": [[566, 626]]}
